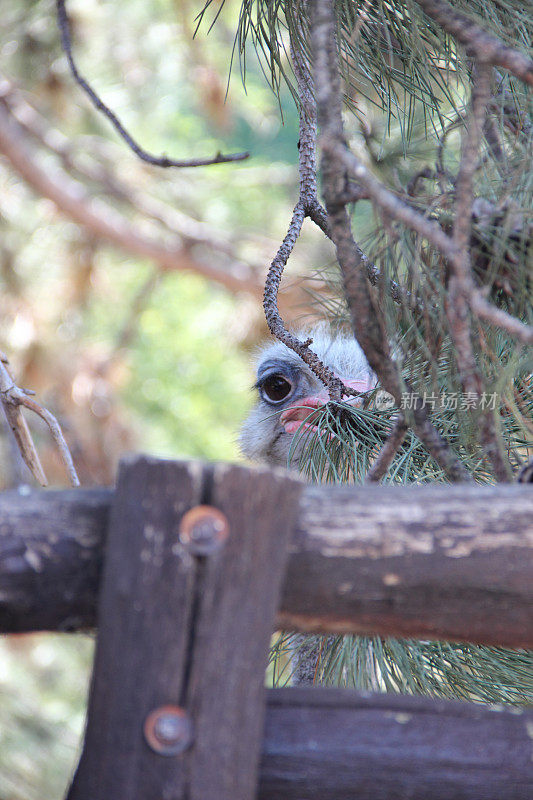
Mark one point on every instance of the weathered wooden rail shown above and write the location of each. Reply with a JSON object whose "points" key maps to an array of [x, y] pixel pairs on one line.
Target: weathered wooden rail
{"points": [[449, 562], [187, 601]]}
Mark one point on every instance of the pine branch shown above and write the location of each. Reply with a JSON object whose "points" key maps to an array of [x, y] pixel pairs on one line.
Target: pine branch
{"points": [[366, 317], [483, 46], [461, 283], [500, 318], [388, 202], [388, 451], [273, 317], [308, 205]]}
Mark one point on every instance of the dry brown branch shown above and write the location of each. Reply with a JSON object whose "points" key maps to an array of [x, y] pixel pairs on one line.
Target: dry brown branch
{"points": [[388, 451], [13, 399], [175, 221], [57, 436], [104, 223], [367, 321], [18, 424], [484, 47], [190, 231], [461, 283], [157, 161], [500, 318]]}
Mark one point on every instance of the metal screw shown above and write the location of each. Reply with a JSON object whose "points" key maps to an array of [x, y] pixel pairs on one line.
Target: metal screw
{"points": [[203, 530], [168, 730]]}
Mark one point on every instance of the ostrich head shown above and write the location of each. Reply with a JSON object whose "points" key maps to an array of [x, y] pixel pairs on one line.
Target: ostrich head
{"points": [[288, 392]]}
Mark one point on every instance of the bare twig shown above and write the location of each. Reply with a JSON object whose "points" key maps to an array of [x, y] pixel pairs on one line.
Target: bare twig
{"points": [[18, 424], [307, 205], [157, 161], [12, 399], [366, 318], [15, 471], [388, 451], [273, 317], [485, 47], [57, 436]]}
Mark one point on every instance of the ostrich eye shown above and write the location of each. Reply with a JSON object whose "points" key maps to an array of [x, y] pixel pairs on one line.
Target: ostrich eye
{"points": [[275, 388]]}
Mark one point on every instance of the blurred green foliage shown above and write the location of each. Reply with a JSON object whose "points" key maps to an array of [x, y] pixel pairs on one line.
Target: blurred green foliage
{"points": [[168, 374], [180, 385], [196, 383], [43, 683]]}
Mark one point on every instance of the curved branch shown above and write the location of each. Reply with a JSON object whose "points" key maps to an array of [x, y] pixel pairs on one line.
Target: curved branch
{"points": [[307, 206], [156, 161], [388, 451], [273, 317], [57, 436], [173, 220]]}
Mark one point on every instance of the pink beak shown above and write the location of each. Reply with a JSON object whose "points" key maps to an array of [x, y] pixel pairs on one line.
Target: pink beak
{"points": [[300, 413]]}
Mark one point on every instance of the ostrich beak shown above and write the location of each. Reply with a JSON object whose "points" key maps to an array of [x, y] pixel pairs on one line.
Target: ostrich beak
{"points": [[299, 413]]}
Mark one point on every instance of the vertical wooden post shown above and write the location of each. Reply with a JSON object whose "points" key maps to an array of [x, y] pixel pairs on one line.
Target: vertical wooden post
{"points": [[235, 622], [186, 611]]}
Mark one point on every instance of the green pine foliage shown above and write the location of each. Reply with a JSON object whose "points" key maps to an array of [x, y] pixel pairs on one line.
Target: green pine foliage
{"points": [[407, 666], [397, 60]]}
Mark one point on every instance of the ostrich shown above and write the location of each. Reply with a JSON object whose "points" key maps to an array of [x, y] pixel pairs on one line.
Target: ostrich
{"points": [[288, 392]]}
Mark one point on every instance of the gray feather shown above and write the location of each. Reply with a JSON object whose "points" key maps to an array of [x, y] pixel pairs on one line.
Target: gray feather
{"points": [[262, 436]]}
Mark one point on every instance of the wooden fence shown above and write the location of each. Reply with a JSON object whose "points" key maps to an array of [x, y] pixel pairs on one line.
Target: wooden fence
{"points": [[186, 569]]}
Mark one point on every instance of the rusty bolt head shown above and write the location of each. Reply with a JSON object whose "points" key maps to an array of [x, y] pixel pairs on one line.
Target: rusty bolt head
{"points": [[203, 530], [168, 730]]}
